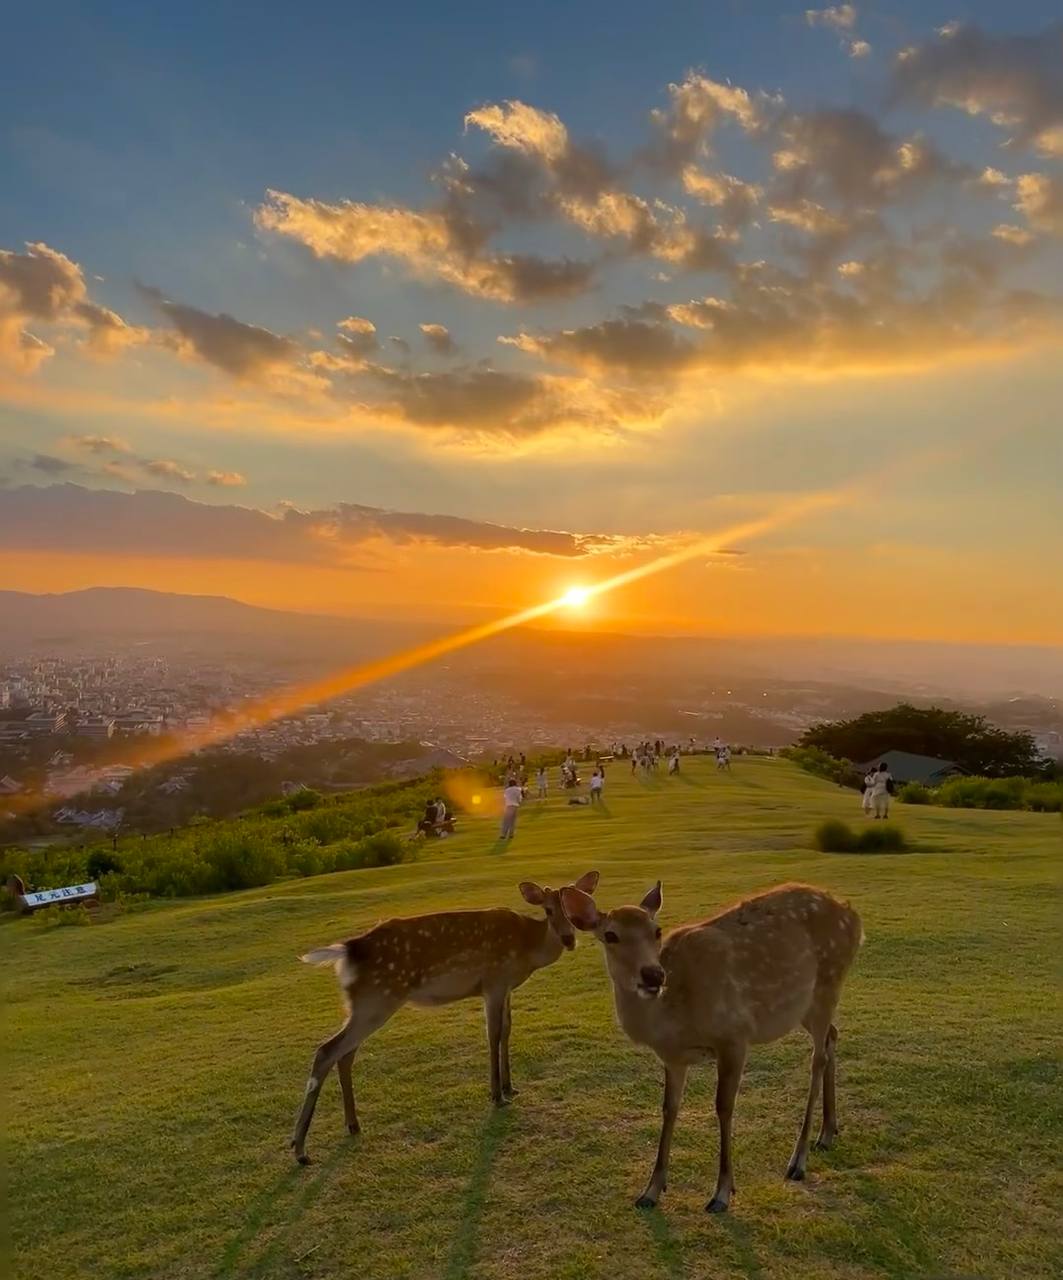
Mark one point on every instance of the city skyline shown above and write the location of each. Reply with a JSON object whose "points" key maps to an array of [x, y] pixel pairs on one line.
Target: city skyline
{"points": [[425, 318]]}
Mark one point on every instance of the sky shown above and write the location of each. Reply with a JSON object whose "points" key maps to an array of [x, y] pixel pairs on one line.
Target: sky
{"points": [[423, 311]]}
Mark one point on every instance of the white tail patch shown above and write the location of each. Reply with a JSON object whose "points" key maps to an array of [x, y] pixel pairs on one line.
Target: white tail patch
{"points": [[325, 955]]}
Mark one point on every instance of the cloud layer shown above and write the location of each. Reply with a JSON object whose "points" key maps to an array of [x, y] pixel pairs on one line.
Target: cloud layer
{"points": [[739, 235], [69, 517]]}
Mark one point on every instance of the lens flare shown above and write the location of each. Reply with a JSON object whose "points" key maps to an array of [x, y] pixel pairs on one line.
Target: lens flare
{"points": [[286, 702], [576, 597]]}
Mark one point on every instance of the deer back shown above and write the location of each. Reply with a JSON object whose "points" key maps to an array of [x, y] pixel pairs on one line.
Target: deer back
{"points": [[448, 955], [752, 972]]}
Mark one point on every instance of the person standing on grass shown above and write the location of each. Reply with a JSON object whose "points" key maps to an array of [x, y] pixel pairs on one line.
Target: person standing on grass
{"points": [[512, 797], [597, 785], [880, 790], [540, 781], [673, 761], [866, 801]]}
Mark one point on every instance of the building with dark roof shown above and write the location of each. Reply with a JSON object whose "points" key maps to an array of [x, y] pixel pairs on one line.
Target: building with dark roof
{"points": [[906, 766]]}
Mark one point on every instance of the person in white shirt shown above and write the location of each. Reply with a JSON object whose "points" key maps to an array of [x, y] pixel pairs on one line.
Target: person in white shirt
{"points": [[869, 782], [673, 761], [597, 783], [880, 790], [512, 797], [540, 781]]}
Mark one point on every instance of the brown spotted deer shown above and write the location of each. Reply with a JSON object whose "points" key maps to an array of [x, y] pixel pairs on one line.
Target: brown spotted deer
{"points": [[433, 960], [711, 989]]}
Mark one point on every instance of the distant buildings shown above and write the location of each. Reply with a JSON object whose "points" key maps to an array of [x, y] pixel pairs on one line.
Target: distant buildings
{"points": [[97, 727], [39, 723]]}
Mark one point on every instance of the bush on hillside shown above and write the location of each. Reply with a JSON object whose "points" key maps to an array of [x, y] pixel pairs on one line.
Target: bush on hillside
{"points": [[823, 765], [344, 833], [304, 798], [835, 836], [999, 793], [915, 793]]}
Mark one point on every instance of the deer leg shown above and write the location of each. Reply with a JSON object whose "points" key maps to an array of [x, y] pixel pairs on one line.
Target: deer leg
{"points": [[350, 1111], [494, 1007], [675, 1078], [795, 1170], [730, 1062], [829, 1131], [503, 1054], [369, 1015]]}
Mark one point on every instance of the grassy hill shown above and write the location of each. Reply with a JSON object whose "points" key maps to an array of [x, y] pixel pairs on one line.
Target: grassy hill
{"points": [[153, 1067]]}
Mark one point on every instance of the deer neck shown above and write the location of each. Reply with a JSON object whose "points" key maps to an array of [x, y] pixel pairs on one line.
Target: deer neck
{"points": [[544, 944], [643, 1021]]}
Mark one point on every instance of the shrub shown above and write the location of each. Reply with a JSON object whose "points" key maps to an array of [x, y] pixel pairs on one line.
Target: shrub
{"points": [[915, 793], [339, 833], [835, 836], [1000, 793], [1045, 797], [385, 850], [100, 862], [813, 760], [304, 798], [53, 917], [881, 838]]}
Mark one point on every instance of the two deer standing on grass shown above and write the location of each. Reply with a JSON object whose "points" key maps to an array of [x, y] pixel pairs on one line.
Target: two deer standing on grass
{"points": [[709, 990]]}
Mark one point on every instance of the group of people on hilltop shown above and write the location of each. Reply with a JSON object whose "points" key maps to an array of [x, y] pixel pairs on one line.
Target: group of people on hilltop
{"points": [[645, 755]]}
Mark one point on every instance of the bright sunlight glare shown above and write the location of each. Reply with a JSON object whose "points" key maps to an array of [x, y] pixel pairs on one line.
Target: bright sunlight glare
{"points": [[576, 597]]}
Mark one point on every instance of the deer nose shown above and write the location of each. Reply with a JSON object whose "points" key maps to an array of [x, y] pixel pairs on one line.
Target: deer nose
{"points": [[652, 975]]}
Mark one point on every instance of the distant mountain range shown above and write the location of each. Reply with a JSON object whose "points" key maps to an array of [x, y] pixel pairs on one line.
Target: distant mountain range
{"points": [[132, 609], [30, 623], [128, 615]]}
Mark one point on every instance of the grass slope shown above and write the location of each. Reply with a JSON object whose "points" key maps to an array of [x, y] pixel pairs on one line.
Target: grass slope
{"points": [[154, 1066]]}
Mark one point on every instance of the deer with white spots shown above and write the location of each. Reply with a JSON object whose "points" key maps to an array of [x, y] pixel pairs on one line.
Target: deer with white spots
{"points": [[711, 989], [434, 960]]}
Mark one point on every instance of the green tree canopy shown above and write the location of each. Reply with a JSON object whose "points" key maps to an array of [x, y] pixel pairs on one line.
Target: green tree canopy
{"points": [[969, 740]]}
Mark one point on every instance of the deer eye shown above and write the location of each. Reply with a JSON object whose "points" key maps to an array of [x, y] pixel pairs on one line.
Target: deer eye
{"points": [[610, 936], [657, 935]]}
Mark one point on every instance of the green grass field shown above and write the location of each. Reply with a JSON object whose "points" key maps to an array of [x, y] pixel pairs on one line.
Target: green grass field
{"points": [[154, 1064]]}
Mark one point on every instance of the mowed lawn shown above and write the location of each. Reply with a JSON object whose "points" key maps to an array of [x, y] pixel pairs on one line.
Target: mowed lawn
{"points": [[154, 1064]]}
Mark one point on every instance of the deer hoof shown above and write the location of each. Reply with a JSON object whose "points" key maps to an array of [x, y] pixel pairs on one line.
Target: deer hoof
{"points": [[795, 1173], [510, 1091], [354, 1129], [303, 1158], [824, 1142], [716, 1205], [646, 1202]]}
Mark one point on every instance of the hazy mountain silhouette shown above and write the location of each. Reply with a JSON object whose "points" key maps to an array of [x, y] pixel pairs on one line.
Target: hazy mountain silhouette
{"points": [[30, 622]]}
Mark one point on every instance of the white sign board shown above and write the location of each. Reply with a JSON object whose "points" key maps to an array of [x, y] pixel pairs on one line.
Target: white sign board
{"points": [[49, 897]]}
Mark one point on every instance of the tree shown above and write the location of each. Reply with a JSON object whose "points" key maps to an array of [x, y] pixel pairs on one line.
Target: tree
{"points": [[969, 740]]}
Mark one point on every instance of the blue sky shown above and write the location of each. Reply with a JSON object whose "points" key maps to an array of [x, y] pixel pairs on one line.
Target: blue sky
{"points": [[138, 144]]}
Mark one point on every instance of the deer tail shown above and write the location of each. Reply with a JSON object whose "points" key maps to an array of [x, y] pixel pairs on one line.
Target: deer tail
{"points": [[325, 955]]}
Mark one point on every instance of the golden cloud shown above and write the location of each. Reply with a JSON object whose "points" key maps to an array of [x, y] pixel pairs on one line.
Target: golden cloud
{"points": [[429, 243]]}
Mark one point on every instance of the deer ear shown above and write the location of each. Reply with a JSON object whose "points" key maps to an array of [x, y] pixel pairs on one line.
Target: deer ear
{"points": [[587, 883], [580, 908], [531, 893], [652, 901]]}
